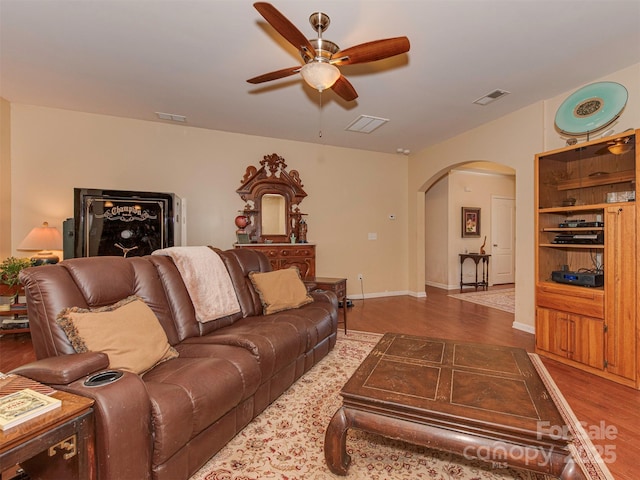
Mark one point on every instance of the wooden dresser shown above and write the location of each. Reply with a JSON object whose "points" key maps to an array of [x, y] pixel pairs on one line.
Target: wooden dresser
{"points": [[285, 255]]}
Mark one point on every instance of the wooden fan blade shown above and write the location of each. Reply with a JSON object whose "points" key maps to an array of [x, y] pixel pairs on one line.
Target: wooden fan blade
{"points": [[371, 51], [267, 77], [284, 27], [344, 88]]}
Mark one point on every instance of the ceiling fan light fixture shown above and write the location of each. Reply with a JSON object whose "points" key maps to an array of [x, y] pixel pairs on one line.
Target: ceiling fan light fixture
{"points": [[320, 75]]}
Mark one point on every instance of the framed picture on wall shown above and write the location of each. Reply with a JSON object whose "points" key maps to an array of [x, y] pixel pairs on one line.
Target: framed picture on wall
{"points": [[470, 222]]}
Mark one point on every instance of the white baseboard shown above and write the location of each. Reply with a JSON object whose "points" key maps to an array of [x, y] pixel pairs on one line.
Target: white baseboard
{"points": [[450, 287], [441, 286], [418, 294], [388, 294], [524, 327]]}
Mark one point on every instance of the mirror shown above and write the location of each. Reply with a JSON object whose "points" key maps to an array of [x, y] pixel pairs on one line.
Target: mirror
{"points": [[273, 214], [272, 195]]}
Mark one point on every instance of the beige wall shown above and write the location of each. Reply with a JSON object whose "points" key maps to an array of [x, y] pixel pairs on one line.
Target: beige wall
{"points": [[436, 233], [350, 192], [5, 179], [512, 140]]}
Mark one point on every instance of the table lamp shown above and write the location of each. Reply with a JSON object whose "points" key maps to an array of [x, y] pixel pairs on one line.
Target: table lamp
{"points": [[43, 239]]}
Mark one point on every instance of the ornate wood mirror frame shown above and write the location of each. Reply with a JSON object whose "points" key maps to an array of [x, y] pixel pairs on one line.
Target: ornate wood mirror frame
{"points": [[270, 218]]}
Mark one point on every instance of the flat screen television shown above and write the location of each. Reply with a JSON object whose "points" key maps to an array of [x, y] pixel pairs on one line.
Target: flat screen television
{"points": [[126, 223]]}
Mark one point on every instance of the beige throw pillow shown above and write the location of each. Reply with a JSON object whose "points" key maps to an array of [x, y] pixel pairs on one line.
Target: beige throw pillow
{"points": [[280, 290], [127, 331]]}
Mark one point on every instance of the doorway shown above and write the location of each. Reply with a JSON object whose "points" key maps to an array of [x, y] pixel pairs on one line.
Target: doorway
{"points": [[470, 184], [502, 240]]}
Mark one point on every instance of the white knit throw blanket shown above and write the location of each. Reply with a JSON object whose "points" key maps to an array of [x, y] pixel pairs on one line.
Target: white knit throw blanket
{"points": [[207, 281]]}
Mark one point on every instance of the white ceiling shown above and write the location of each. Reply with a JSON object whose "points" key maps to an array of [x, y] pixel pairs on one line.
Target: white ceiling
{"points": [[132, 58]]}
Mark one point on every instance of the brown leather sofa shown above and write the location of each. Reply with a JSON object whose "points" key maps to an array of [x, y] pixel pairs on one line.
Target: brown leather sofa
{"points": [[166, 423]]}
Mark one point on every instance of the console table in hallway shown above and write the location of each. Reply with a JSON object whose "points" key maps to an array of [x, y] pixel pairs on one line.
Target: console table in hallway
{"points": [[477, 258]]}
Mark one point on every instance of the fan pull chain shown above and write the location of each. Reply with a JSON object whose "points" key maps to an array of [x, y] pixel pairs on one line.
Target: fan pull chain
{"points": [[320, 120]]}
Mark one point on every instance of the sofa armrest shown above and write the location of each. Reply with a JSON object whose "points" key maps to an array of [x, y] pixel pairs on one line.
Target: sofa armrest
{"points": [[64, 369], [325, 296], [122, 411], [122, 424]]}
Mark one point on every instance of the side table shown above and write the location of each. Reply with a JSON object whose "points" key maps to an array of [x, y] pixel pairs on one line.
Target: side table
{"points": [[66, 431], [476, 257], [336, 285]]}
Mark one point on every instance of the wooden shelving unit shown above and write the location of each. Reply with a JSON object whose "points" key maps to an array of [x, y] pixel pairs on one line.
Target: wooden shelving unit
{"points": [[594, 329], [598, 179], [15, 312]]}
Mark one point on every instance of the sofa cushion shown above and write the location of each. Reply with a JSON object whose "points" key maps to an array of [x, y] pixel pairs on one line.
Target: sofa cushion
{"points": [[187, 396], [280, 290], [127, 331]]}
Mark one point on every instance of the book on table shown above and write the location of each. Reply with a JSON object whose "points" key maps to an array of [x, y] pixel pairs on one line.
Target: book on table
{"points": [[12, 383], [18, 407]]}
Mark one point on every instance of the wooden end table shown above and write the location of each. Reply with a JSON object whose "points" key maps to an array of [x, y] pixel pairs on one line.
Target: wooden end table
{"points": [[336, 285], [479, 401], [477, 258], [67, 431]]}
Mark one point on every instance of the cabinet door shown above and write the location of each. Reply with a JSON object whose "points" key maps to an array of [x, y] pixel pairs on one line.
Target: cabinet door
{"points": [[572, 336], [620, 290], [586, 340], [552, 332]]}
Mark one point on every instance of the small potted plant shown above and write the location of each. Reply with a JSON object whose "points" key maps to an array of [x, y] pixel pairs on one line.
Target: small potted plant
{"points": [[9, 281]]}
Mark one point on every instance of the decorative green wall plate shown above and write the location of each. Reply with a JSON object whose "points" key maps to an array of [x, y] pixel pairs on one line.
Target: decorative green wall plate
{"points": [[591, 108]]}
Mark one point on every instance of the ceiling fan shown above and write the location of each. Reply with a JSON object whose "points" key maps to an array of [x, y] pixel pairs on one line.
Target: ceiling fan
{"points": [[321, 56]]}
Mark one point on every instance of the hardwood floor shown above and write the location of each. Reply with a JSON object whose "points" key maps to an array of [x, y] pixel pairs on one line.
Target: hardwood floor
{"points": [[608, 412], [15, 350]]}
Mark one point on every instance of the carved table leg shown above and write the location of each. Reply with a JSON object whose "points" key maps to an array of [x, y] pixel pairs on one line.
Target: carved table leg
{"points": [[572, 471], [335, 443]]}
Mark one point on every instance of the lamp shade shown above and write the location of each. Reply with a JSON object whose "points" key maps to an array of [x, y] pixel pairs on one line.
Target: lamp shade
{"points": [[320, 75], [42, 238]]}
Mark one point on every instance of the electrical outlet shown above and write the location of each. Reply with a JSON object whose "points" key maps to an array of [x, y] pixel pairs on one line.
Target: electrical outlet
{"points": [[599, 260], [360, 276]]}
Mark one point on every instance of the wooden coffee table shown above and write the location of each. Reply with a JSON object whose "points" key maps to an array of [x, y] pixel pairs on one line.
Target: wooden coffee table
{"points": [[479, 401]]}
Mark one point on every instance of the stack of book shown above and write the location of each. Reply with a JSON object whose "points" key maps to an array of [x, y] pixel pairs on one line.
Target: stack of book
{"points": [[22, 399]]}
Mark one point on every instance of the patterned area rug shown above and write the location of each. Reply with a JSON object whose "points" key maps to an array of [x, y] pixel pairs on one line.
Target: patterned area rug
{"points": [[286, 441], [502, 299]]}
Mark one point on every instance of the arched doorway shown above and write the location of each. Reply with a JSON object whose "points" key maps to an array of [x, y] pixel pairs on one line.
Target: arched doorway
{"points": [[486, 186]]}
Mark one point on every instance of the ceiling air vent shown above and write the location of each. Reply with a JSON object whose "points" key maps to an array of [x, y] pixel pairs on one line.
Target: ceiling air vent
{"points": [[172, 117], [366, 124], [490, 97]]}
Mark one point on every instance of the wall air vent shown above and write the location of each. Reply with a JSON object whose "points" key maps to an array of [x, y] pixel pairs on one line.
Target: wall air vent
{"points": [[490, 97], [171, 117], [366, 124]]}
